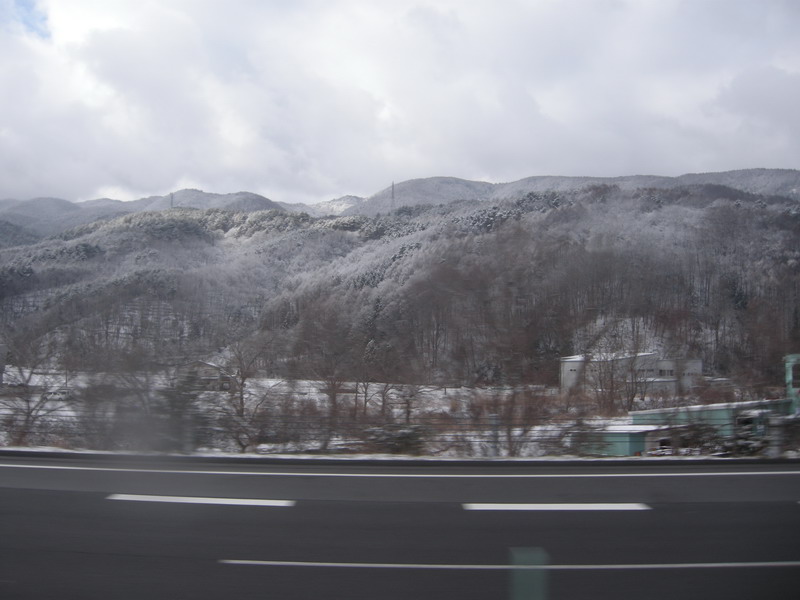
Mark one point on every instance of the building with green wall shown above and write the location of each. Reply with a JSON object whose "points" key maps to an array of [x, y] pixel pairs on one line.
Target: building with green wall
{"points": [[651, 429], [723, 417], [623, 440]]}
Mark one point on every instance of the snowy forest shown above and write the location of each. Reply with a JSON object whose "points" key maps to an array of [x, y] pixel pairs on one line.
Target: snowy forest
{"points": [[459, 287]]}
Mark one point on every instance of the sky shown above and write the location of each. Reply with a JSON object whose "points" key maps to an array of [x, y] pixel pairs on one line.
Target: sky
{"points": [[310, 100]]}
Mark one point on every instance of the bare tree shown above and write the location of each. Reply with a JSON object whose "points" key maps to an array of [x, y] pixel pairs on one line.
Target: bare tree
{"points": [[511, 417], [520, 412], [242, 418], [96, 414], [619, 369], [143, 410], [246, 358], [31, 393]]}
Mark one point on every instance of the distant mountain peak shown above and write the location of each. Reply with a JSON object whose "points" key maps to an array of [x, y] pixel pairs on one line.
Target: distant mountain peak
{"points": [[335, 207], [443, 190], [194, 198]]}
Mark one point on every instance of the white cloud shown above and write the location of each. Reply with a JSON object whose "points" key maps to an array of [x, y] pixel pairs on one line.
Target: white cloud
{"points": [[309, 100]]}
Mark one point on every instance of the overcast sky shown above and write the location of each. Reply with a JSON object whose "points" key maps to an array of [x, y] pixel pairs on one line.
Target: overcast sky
{"points": [[306, 100]]}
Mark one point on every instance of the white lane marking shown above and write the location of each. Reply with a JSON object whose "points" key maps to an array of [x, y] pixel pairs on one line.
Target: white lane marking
{"points": [[404, 475], [562, 506], [200, 500], [586, 567]]}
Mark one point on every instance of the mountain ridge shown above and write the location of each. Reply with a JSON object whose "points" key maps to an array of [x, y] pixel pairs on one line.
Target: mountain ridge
{"points": [[434, 190], [42, 217]]}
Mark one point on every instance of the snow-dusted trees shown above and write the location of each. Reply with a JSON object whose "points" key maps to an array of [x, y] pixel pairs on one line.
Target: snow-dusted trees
{"points": [[477, 299]]}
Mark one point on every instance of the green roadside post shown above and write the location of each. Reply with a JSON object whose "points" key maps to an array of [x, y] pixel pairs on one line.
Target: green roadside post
{"points": [[528, 583], [792, 388]]}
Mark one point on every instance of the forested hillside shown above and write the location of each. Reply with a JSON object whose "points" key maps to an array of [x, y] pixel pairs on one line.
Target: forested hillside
{"points": [[481, 290]]}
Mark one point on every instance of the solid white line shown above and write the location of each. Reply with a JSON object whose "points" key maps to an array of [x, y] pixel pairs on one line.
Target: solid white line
{"points": [[201, 500], [404, 475], [562, 506], [586, 567]]}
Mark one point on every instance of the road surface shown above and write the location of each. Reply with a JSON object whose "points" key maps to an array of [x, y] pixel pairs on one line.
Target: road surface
{"points": [[134, 528]]}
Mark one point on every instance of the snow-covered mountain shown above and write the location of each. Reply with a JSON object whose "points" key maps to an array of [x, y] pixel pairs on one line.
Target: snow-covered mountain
{"points": [[334, 207], [191, 198], [42, 217], [38, 216], [431, 190], [438, 280]]}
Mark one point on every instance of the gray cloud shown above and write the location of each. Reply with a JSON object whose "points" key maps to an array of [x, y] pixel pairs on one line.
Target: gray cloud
{"points": [[305, 101]]}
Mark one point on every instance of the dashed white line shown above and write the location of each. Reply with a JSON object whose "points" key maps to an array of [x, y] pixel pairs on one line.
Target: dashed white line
{"points": [[201, 500], [543, 567], [557, 506]]}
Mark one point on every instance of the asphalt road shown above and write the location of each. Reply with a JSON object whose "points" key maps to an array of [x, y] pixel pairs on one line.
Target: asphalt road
{"points": [[89, 528]]}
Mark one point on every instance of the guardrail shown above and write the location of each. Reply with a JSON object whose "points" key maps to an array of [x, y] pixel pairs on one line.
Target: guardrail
{"points": [[439, 435]]}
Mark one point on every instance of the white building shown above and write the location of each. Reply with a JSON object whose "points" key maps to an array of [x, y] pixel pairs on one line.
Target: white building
{"points": [[645, 370]]}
